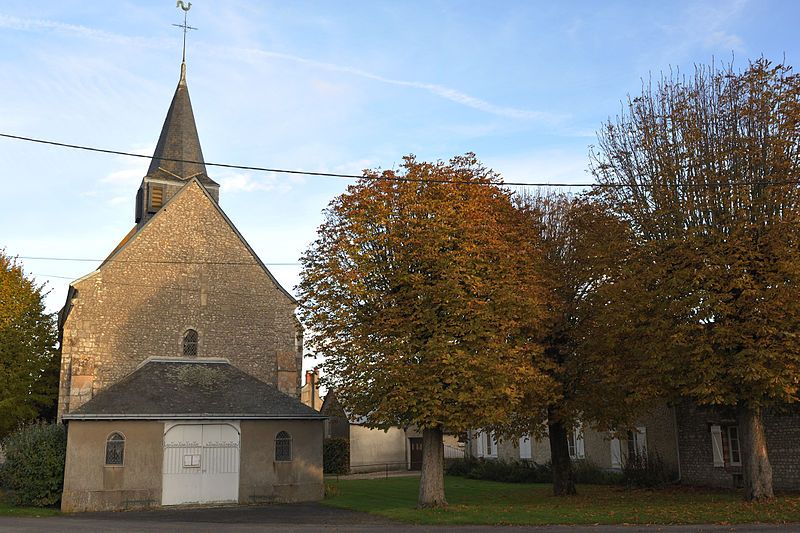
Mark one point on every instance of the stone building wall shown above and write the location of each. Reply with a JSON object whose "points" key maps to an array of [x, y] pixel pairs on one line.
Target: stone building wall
{"points": [[696, 454], [185, 269]]}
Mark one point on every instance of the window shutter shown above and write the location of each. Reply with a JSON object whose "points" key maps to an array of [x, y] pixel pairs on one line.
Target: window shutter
{"points": [[479, 438], [525, 447], [616, 454], [641, 440], [716, 446], [580, 448]]}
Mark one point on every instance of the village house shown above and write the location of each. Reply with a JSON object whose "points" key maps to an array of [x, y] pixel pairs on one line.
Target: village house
{"points": [[698, 445], [309, 392], [372, 449], [710, 449], [181, 356], [654, 434]]}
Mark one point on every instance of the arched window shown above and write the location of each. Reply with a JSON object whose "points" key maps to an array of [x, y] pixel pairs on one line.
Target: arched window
{"points": [[283, 446], [190, 341], [115, 450]]}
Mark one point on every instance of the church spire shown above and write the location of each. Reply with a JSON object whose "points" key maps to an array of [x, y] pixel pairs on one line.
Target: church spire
{"points": [[178, 157], [178, 140]]}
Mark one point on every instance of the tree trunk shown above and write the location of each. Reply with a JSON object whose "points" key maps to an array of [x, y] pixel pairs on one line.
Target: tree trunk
{"points": [[563, 477], [755, 461], [431, 482]]}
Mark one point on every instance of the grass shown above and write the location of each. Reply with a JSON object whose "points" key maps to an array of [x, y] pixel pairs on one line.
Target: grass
{"points": [[8, 510], [488, 502]]}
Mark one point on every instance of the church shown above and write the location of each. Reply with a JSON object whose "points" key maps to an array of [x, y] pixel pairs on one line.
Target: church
{"points": [[181, 356]]}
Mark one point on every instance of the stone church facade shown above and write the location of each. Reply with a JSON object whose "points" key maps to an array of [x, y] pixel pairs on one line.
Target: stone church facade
{"points": [[186, 269], [181, 356]]}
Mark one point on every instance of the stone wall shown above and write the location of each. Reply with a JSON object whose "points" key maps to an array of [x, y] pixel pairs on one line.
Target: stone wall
{"points": [[186, 268], [696, 454]]}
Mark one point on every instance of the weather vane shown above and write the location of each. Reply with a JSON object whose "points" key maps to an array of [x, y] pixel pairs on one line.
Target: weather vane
{"points": [[186, 27]]}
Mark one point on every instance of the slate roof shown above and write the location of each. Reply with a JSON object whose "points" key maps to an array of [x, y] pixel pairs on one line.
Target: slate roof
{"points": [[191, 389], [179, 140]]}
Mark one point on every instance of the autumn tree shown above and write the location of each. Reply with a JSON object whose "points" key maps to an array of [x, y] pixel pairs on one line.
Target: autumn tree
{"points": [[582, 245], [421, 293], [28, 359], [706, 170]]}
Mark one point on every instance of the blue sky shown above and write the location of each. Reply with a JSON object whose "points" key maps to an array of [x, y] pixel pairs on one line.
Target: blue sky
{"points": [[324, 86]]}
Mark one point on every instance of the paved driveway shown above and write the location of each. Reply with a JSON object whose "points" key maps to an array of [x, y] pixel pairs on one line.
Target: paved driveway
{"points": [[299, 518]]}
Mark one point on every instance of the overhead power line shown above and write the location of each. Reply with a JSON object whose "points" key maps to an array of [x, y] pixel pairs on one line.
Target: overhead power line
{"points": [[160, 262], [280, 170], [584, 185]]}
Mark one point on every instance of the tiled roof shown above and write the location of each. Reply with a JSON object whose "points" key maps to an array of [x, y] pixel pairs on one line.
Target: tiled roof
{"points": [[196, 388]]}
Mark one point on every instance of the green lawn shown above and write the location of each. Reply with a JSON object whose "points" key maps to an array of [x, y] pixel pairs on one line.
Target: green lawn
{"points": [[487, 502], [8, 510]]}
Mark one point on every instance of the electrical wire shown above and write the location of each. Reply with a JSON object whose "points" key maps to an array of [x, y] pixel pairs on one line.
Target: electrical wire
{"points": [[384, 177], [164, 262]]}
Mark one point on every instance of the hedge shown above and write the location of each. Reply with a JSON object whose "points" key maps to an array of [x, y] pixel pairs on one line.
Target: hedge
{"points": [[336, 456], [33, 473]]}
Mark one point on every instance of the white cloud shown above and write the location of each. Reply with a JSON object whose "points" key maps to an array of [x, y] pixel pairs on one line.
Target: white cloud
{"points": [[25, 24], [235, 182], [119, 200], [544, 166], [704, 25], [128, 176], [722, 39], [447, 93]]}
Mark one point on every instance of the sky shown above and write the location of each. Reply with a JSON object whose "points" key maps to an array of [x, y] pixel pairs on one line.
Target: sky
{"points": [[323, 86]]}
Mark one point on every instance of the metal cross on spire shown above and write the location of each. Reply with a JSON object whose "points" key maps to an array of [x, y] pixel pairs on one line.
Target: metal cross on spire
{"points": [[186, 27]]}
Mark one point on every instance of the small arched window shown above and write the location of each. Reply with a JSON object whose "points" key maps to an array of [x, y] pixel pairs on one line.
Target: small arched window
{"points": [[115, 450], [283, 446], [190, 341]]}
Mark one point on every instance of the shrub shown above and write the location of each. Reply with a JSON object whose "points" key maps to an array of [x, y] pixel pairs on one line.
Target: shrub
{"points": [[529, 472], [336, 456], [499, 470], [643, 470], [589, 473], [460, 467], [34, 469]]}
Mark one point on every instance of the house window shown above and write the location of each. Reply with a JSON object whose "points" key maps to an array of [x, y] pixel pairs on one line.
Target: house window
{"points": [[283, 446], [156, 198], [734, 452], [637, 442], [190, 341], [487, 444], [115, 450], [575, 444]]}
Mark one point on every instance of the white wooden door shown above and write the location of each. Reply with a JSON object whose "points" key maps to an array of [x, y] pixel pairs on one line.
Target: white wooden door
{"points": [[201, 463]]}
